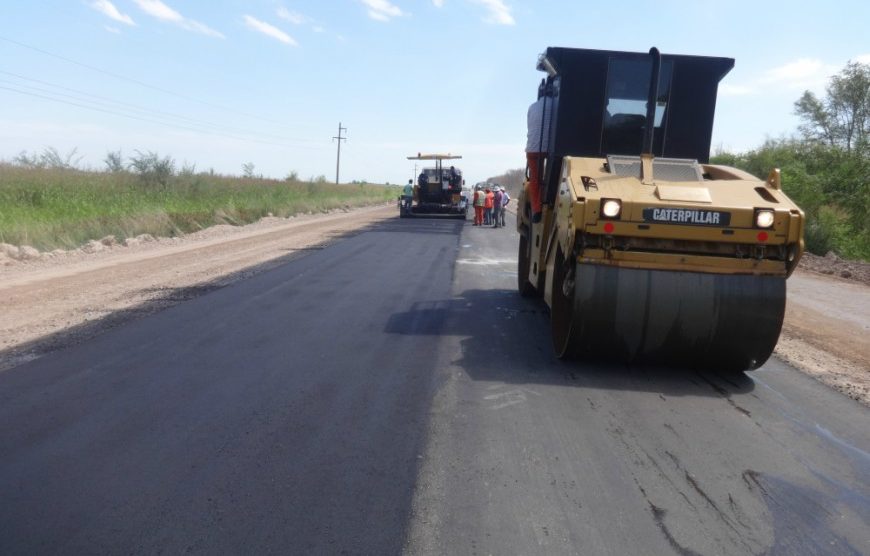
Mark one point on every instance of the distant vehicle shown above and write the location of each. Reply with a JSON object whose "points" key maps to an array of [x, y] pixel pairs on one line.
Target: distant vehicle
{"points": [[644, 250], [438, 190]]}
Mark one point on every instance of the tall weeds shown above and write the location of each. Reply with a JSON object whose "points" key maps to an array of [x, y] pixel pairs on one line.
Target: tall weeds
{"points": [[64, 208]]}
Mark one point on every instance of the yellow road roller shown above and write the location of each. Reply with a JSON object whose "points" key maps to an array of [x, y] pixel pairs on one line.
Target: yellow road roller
{"points": [[642, 249]]}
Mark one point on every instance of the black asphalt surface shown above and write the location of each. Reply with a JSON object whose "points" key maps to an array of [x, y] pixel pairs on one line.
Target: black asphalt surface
{"points": [[392, 393]]}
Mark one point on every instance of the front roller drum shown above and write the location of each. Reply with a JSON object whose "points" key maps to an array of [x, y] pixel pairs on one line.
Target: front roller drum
{"points": [[727, 322]]}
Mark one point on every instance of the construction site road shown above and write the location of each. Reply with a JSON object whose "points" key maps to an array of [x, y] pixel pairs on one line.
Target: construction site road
{"points": [[389, 392]]}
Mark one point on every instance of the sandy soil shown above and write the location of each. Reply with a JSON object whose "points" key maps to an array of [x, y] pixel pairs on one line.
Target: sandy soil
{"points": [[827, 323], [51, 300]]}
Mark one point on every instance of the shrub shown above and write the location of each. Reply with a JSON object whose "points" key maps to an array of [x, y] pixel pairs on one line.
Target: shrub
{"points": [[151, 168], [114, 161]]}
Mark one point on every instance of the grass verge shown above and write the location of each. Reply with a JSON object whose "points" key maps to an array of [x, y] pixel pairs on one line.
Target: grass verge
{"points": [[52, 208]]}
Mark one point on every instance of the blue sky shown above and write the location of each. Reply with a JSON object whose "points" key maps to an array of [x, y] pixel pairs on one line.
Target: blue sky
{"points": [[222, 83]]}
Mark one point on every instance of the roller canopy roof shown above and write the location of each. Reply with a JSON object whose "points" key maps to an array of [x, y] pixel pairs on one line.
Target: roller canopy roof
{"points": [[600, 96]]}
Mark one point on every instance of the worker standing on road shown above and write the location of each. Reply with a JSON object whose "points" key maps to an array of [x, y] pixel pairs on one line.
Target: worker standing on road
{"points": [[537, 145], [408, 194], [479, 200], [496, 206], [505, 199], [487, 207]]}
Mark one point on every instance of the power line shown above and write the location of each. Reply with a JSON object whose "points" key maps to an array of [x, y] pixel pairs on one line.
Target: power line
{"points": [[133, 117], [135, 81], [91, 104], [82, 96]]}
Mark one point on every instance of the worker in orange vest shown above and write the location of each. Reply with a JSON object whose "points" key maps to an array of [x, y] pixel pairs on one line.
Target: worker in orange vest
{"points": [[479, 201]]}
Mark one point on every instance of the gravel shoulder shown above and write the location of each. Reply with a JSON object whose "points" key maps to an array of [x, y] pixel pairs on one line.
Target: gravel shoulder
{"points": [[51, 300], [827, 323]]}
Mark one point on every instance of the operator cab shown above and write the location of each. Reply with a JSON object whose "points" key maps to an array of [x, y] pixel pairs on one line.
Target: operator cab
{"points": [[600, 106]]}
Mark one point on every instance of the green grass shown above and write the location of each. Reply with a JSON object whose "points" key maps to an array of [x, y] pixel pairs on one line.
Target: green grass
{"points": [[831, 185], [51, 209]]}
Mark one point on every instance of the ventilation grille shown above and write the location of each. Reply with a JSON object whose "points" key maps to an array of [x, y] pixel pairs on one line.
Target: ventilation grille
{"points": [[665, 169]]}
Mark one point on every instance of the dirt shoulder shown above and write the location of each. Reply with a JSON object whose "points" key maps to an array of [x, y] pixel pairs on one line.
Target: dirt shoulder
{"points": [[833, 266], [827, 323], [51, 300]]}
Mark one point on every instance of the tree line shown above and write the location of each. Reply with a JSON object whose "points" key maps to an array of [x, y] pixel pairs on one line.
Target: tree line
{"points": [[826, 164]]}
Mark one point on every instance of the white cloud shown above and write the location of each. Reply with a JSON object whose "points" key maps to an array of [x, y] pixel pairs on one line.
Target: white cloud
{"points": [[382, 10], [111, 29], [803, 73], [269, 30], [862, 59], [156, 8], [109, 10], [202, 28], [499, 12], [438, 3], [295, 18], [799, 69], [159, 10], [736, 90]]}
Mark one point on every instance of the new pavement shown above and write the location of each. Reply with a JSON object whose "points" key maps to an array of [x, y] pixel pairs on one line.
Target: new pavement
{"points": [[391, 393]]}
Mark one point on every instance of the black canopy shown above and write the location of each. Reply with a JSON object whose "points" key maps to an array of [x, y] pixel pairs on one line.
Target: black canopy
{"points": [[599, 98]]}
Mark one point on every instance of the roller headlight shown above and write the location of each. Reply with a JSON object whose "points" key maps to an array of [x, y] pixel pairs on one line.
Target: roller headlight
{"points": [[764, 218], [611, 208]]}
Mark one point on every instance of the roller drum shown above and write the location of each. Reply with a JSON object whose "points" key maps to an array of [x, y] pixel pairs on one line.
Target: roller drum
{"points": [[729, 322]]}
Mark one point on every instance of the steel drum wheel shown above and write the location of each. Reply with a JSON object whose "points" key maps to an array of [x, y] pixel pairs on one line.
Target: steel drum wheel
{"points": [[728, 323]]}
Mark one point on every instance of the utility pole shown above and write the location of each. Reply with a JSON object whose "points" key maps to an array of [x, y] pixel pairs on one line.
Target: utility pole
{"points": [[339, 138]]}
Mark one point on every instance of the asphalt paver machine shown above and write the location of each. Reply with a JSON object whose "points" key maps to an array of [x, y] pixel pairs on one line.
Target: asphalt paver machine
{"points": [[438, 190]]}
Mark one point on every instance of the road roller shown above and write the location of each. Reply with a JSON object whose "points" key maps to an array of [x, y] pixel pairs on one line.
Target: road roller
{"points": [[643, 250]]}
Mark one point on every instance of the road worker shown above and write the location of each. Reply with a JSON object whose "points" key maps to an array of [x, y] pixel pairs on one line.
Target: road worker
{"points": [[496, 206], [505, 199], [479, 201], [455, 179], [408, 194]]}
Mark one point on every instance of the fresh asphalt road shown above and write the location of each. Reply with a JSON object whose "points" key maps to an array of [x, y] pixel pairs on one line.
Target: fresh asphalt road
{"points": [[392, 393]]}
